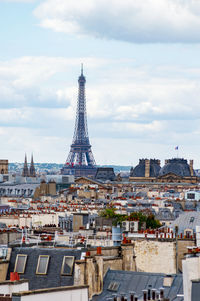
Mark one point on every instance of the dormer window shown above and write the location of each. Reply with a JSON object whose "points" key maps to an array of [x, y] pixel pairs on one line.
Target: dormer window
{"points": [[20, 263], [42, 265], [67, 265], [113, 286]]}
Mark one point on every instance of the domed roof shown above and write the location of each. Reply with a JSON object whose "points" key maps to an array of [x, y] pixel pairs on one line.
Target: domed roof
{"points": [[139, 170], [176, 166]]}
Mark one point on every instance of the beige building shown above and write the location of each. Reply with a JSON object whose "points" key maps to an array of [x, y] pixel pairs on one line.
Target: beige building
{"points": [[3, 167]]}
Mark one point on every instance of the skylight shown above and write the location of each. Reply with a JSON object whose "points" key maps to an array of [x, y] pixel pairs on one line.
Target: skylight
{"points": [[67, 265], [20, 263], [113, 286], [42, 265]]}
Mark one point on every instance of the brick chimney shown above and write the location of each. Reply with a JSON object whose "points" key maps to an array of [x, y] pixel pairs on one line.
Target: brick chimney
{"points": [[191, 168]]}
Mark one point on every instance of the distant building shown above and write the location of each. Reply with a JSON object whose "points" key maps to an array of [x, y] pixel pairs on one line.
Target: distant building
{"points": [[177, 166], [3, 167], [32, 168], [176, 170], [28, 172], [105, 174], [146, 168], [25, 171]]}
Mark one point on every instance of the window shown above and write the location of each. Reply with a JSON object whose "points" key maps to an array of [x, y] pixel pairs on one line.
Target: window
{"points": [[191, 196], [20, 263], [67, 265], [113, 286], [42, 265]]}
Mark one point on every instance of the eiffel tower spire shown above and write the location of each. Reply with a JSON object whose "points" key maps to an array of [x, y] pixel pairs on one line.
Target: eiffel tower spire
{"points": [[25, 172], [80, 161], [32, 168]]}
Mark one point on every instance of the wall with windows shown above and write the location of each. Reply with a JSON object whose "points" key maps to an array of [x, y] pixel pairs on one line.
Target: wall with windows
{"points": [[192, 195]]}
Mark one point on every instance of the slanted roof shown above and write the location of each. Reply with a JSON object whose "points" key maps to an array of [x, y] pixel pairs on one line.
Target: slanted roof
{"points": [[53, 278], [138, 281], [165, 214], [187, 220], [90, 181]]}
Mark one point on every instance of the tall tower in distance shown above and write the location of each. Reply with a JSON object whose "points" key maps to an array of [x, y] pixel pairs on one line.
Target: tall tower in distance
{"points": [[25, 171], [32, 168], [80, 161]]}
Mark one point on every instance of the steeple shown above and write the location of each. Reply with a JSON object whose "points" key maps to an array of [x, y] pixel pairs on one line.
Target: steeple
{"points": [[25, 172], [32, 168]]}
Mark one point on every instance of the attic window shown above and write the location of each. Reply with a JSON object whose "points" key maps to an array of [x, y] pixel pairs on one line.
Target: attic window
{"points": [[113, 286], [20, 263], [192, 219], [67, 265], [42, 265]]}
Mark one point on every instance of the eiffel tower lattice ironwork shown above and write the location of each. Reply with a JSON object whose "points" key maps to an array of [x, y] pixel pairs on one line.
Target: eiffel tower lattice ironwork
{"points": [[80, 161]]}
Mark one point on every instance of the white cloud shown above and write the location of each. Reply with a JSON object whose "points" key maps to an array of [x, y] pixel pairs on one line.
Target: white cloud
{"points": [[127, 20], [144, 104]]}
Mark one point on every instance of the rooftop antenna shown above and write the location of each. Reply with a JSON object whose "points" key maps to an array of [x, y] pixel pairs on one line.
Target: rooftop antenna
{"points": [[82, 69]]}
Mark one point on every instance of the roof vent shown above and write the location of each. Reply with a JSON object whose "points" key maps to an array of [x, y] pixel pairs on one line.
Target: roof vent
{"points": [[167, 281]]}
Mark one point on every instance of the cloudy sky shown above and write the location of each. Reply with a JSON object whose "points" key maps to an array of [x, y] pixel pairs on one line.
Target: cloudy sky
{"points": [[142, 65]]}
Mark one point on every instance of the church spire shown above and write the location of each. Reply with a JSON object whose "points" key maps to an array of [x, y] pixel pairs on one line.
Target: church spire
{"points": [[25, 172], [32, 168]]}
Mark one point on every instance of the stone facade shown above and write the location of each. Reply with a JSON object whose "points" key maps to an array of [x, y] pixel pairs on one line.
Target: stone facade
{"points": [[45, 189], [155, 256], [92, 270], [3, 167]]}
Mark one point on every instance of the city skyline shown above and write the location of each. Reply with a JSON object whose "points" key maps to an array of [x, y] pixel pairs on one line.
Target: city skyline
{"points": [[142, 73]]}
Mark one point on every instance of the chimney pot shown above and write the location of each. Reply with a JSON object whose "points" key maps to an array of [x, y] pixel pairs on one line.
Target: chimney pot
{"points": [[153, 294], [157, 295], [162, 293], [144, 295], [98, 250], [132, 296]]}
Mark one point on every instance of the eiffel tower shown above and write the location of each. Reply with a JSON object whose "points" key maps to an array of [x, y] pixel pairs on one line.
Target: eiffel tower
{"points": [[80, 161]]}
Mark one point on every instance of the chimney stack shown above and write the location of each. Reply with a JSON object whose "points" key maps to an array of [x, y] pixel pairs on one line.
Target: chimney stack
{"points": [[191, 168], [132, 296], [147, 168], [153, 294], [145, 295], [162, 295]]}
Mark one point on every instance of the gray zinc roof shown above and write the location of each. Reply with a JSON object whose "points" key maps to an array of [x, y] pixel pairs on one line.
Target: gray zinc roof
{"points": [[138, 281], [177, 166], [53, 278], [187, 220]]}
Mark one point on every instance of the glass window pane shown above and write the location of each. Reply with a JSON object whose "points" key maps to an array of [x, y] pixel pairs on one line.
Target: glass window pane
{"points": [[20, 263], [42, 264], [67, 265]]}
